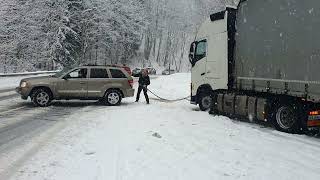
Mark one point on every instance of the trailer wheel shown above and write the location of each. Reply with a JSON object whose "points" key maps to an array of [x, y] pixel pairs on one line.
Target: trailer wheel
{"points": [[205, 101], [286, 119]]}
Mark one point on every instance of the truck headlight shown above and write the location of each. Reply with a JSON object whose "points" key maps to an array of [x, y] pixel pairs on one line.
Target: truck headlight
{"points": [[23, 84]]}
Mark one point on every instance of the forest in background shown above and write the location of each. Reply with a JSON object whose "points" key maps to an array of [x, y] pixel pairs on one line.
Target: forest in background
{"points": [[46, 34]]}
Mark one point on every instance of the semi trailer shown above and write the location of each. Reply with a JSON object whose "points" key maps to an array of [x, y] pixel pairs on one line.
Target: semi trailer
{"points": [[260, 60]]}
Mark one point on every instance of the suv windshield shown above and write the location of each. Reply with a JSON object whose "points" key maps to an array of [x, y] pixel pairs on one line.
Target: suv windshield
{"points": [[60, 73]]}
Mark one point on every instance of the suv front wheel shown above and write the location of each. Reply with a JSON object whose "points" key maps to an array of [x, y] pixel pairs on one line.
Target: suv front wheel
{"points": [[113, 97], [41, 97]]}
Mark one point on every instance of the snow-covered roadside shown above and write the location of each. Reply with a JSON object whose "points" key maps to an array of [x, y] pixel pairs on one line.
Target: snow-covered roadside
{"points": [[27, 73], [169, 141]]}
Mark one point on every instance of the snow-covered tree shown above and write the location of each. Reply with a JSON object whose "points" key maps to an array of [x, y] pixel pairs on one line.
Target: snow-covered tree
{"points": [[37, 34]]}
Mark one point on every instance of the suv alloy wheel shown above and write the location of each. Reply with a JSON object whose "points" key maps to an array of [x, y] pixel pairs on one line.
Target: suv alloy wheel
{"points": [[41, 97], [113, 97]]}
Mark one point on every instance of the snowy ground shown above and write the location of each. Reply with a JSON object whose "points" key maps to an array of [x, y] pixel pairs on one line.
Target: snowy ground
{"points": [[160, 141]]}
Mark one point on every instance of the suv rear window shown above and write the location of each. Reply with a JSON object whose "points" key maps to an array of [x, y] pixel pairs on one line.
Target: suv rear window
{"points": [[99, 73], [116, 73]]}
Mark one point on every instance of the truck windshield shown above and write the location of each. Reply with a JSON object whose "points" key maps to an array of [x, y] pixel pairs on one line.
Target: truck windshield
{"points": [[201, 49]]}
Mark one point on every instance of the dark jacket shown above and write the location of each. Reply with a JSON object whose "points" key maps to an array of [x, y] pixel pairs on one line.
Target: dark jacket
{"points": [[144, 80]]}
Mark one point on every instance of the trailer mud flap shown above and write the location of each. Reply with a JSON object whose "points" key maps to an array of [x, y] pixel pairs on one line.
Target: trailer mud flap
{"points": [[262, 109], [252, 111]]}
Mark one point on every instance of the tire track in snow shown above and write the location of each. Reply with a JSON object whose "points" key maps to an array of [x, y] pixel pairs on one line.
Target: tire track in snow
{"points": [[2, 98], [45, 123], [11, 110], [6, 90], [26, 121]]}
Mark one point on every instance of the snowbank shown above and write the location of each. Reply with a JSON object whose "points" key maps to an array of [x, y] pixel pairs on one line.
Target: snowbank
{"points": [[173, 86], [169, 141]]}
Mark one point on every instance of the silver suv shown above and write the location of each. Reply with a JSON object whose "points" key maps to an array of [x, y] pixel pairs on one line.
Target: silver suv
{"points": [[105, 83]]}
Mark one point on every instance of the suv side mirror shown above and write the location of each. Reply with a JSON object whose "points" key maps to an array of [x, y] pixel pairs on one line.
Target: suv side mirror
{"points": [[192, 52]]}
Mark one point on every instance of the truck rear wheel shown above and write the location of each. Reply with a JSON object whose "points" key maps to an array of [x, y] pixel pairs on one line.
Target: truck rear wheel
{"points": [[205, 101], [286, 119]]}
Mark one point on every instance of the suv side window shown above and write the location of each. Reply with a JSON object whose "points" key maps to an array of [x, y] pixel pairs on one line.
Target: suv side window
{"points": [[116, 73], [98, 73], [78, 74]]}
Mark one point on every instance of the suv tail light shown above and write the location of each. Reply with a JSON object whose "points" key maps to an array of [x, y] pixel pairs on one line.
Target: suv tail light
{"points": [[130, 82], [126, 68]]}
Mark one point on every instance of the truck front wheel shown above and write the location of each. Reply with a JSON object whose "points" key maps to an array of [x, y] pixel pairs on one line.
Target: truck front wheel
{"points": [[205, 101]]}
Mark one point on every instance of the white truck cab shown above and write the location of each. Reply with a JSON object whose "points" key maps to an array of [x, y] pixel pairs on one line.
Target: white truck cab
{"points": [[209, 59]]}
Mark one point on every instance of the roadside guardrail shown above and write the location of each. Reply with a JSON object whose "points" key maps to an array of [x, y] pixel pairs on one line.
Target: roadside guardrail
{"points": [[26, 73]]}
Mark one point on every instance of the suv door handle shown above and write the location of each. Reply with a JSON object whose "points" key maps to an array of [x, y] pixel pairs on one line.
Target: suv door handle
{"points": [[203, 74], [82, 82]]}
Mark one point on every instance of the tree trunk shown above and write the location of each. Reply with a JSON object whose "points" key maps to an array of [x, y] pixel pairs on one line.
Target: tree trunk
{"points": [[159, 48]]}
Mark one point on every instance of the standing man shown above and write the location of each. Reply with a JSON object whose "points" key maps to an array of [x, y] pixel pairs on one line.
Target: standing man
{"points": [[144, 81]]}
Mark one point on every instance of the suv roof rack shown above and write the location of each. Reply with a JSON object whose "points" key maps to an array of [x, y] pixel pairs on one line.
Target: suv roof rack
{"points": [[90, 65], [107, 65]]}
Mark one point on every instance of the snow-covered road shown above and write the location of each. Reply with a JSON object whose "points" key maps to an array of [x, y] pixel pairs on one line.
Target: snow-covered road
{"points": [[160, 141]]}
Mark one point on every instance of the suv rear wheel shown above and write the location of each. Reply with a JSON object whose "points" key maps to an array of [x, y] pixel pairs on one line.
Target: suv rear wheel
{"points": [[113, 97], [41, 97]]}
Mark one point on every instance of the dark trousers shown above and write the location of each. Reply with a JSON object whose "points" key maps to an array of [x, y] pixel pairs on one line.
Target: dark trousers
{"points": [[145, 90]]}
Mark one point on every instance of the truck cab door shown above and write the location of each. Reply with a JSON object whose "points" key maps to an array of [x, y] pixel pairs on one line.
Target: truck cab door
{"points": [[217, 61], [199, 64]]}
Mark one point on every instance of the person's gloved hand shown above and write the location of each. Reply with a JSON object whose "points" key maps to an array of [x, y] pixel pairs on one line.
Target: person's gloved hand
{"points": [[144, 86]]}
